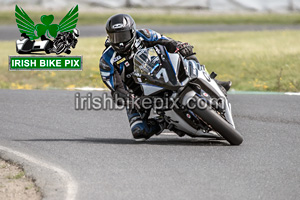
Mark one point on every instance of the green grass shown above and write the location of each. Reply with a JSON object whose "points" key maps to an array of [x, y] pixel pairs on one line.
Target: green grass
{"points": [[29, 187], [17, 176], [256, 61], [148, 18]]}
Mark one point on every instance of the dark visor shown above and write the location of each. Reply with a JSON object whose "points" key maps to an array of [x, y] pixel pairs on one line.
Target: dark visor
{"points": [[120, 37]]}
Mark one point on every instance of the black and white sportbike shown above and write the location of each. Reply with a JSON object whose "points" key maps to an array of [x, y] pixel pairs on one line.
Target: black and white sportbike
{"points": [[193, 104]]}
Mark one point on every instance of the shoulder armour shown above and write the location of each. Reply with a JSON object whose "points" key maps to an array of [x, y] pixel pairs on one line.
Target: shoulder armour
{"points": [[145, 32]]}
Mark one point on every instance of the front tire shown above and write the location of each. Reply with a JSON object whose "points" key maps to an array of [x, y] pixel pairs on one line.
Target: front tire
{"points": [[218, 124], [60, 48]]}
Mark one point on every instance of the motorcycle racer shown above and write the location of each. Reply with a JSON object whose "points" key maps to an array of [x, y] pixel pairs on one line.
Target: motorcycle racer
{"points": [[116, 65]]}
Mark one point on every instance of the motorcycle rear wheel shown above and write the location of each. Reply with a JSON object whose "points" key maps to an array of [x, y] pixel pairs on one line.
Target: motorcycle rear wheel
{"points": [[225, 129]]}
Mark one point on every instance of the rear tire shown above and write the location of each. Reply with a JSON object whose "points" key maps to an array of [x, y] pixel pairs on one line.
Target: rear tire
{"points": [[219, 124]]}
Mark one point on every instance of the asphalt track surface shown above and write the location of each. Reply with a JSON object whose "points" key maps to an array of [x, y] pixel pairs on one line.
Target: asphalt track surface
{"points": [[11, 32], [97, 150]]}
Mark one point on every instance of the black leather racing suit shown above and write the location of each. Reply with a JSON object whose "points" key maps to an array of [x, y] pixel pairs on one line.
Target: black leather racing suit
{"points": [[115, 70]]}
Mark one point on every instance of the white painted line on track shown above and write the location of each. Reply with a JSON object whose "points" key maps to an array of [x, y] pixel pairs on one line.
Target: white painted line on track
{"points": [[231, 92], [168, 133], [71, 184], [87, 89], [293, 93]]}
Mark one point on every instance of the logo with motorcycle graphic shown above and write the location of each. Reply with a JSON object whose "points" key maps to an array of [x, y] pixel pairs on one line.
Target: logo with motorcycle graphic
{"points": [[46, 37]]}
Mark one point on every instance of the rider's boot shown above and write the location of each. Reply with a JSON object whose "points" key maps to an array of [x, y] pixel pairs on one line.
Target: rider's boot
{"points": [[145, 129], [225, 84], [157, 124]]}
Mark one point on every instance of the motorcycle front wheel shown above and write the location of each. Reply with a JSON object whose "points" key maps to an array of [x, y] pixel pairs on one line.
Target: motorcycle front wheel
{"points": [[60, 48], [218, 124]]}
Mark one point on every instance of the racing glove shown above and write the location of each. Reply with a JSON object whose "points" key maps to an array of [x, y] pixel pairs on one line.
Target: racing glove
{"points": [[172, 46], [185, 49]]}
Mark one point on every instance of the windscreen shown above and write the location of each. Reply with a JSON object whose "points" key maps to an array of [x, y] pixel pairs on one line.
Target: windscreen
{"points": [[146, 61]]}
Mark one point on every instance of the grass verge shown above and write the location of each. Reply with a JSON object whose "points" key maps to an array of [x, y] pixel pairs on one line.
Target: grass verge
{"points": [[14, 184], [255, 61], [172, 19]]}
